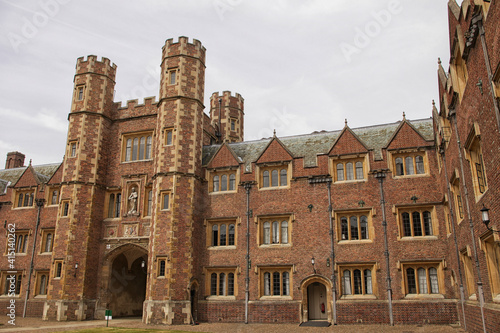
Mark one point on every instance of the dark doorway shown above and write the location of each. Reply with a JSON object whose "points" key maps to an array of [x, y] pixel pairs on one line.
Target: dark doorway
{"points": [[127, 287]]}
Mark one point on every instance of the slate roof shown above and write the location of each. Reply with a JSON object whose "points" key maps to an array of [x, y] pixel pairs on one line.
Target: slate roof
{"points": [[42, 172], [309, 146]]}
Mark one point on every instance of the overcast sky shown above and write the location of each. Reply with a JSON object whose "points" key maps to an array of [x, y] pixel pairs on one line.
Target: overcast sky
{"points": [[301, 66]]}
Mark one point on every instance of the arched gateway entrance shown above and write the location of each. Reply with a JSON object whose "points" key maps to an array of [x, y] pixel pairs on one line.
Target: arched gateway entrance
{"points": [[316, 299], [126, 281]]}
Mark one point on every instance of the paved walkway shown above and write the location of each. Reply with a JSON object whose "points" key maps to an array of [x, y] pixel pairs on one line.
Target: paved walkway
{"points": [[38, 325]]}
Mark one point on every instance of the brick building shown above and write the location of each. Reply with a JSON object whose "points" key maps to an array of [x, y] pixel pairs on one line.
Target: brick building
{"points": [[162, 211]]}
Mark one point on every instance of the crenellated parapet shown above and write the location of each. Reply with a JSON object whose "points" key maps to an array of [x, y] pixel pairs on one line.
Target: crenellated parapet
{"points": [[136, 109], [227, 116], [183, 47], [93, 65]]}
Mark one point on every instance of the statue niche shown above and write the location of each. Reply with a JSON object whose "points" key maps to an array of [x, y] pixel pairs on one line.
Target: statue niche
{"points": [[132, 208]]}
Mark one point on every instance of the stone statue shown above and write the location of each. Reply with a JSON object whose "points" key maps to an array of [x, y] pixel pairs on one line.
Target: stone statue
{"points": [[132, 202]]}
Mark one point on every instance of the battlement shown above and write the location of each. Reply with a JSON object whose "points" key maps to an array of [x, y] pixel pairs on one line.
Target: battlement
{"points": [[93, 65], [228, 99], [134, 103], [183, 47]]}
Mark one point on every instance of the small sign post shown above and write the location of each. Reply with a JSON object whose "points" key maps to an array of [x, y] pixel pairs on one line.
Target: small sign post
{"points": [[108, 317]]}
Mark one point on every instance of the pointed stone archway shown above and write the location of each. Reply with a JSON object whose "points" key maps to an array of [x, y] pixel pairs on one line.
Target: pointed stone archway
{"points": [[124, 281], [317, 299]]}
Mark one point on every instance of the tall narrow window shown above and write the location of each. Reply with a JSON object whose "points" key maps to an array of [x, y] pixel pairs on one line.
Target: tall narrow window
{"points": [[222, 284], [213, 284], [349, 172], [135, 149], [128, 150], [232, 182], [276, 232], [215, 235], [230, 284], [148, 147], [267, 284], [166, 201], [54, 197], [118, 204], [216, 183], [230, 240], [417, 224], [161, 268], [223, 186], [169, 134], [364, 227], [222, 235], [344, 228], [409, 165], [284, 232], [267, 232], [149, 208], [142, 146], [433, 277], [359, 170], [276, 283], [172, 77], [286, 283], [410, 280], [354, 227], [422, 280], [274, 178], [283, 177], [358, 290], [419, 162], [346, 283], [368, 281], [340, 172], [265, 179], [48, 243], [111, 205], [399, 166], [427, 223]]}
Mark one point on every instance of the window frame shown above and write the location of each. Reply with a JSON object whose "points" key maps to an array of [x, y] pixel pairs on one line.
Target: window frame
{"points": [[72, 148], [133, 146], [210, 224], [5, 285], [412, 212], [353, 161], [362, 268], [50, 196], [161, 267], [474, 154], [169, 136], [340, 214], [403, 171], [469, 277], [80, 92], [19, 249], [113, 206], [267, 180], [41, 284], [273, 271], [58, 269], [45, 239], [427, 266], [163, 195], [212, 293], [231, 175], [491, 245], [65, 208], [24, 198], [273, 220]]}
